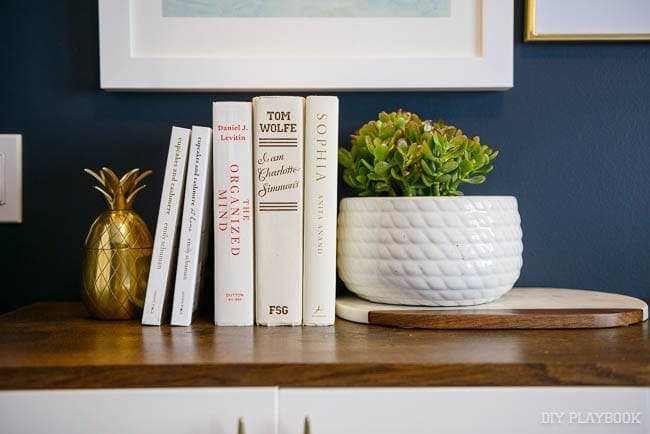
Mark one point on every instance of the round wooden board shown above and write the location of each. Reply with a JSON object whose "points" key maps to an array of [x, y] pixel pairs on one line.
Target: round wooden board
{"points": [[521, 308]]}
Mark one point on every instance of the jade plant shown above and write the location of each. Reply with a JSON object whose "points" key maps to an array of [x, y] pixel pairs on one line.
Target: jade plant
{"points": [[400, 154]]}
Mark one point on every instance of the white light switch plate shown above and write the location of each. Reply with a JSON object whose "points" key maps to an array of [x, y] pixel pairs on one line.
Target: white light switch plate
{"points": [[11, 178], [2, 178]]}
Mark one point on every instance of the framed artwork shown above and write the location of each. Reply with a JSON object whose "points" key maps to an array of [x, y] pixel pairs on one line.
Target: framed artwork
{"points": [[244, 45], [587, 20]]}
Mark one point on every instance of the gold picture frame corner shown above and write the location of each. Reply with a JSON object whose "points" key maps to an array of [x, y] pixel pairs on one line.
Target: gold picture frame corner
{"points": [[529, 21], [530, 35]]}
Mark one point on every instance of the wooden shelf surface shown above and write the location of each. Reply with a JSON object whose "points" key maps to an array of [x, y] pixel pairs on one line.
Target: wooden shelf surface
{"points": [[56, 345]]}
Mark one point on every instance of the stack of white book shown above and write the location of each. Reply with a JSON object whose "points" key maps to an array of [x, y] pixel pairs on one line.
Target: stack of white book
{"points": [[263, 181]]}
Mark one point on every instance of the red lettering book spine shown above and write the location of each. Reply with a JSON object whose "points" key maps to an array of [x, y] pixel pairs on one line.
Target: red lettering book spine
{"points": [[233, 214]]}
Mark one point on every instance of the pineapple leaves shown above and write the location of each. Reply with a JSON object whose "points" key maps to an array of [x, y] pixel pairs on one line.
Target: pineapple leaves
{"points": [[131, 197], [107, 196], [128, 175], [133, 185], [119, 193], [113, 183], [126, 181], [141, 177], [96, 176], [399, 154]]}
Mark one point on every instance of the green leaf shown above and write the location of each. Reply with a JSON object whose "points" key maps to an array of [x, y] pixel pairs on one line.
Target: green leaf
{"points": [[396, 175], [426, 150], [402, 146], [387, 132], [410, 191], [427, 169], [466, 166], [345, 158], [475, 179], [349, 180], [412, 132], [382, 168], [449, 166], [439, 140], [398, 159], [427, 180], [485, 170], [381, 152], [368, 165], [383, 187], [372, 144], [413, 151]]}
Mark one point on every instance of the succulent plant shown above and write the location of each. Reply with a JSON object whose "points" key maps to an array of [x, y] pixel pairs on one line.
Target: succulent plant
{"points": [[400, 154]]}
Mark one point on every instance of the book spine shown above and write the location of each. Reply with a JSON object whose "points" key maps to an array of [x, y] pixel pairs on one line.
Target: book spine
{"points": [[278, 158], [193, 236], [321, 159], [163, 259], [233, 214]]}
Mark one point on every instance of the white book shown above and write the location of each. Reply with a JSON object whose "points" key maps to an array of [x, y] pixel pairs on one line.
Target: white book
{"points": [[163, 259], [321, 160], [233, 214], [278, 157], [193, 239]]}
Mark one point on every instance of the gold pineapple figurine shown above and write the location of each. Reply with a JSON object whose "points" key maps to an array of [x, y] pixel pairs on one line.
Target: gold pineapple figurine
{"points": [[117, 250]]}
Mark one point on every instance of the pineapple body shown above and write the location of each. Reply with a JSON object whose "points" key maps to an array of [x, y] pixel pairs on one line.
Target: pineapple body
{"points": [[117, 251], [115, 268]]}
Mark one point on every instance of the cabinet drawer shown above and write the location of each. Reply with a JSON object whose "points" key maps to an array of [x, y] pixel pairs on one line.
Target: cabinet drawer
{"points": [[468, 410], [126, 411]]}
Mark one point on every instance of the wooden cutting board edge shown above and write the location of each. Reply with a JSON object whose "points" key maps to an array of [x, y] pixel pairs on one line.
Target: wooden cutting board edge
{"points": [[559, 308]]}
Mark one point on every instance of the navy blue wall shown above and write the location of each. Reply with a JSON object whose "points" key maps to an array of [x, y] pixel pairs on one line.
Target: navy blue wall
{"points": [[574, 136]]}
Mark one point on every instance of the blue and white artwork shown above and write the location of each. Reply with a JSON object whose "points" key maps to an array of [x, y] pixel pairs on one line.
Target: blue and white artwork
{"points": [[306, 8]]}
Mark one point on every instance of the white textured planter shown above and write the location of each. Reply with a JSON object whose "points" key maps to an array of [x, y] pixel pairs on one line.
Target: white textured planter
{"points": [[433, 251]]}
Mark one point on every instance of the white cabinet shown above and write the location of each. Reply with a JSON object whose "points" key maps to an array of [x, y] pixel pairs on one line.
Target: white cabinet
{"points": [[139, 411], [467, 410]]}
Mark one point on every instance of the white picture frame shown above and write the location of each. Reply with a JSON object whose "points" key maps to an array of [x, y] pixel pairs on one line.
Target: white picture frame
{"points": [[141, 50]]}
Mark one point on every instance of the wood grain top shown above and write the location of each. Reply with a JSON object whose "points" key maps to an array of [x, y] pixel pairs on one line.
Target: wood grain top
{"points": [[509, 319], [55, 345]]}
